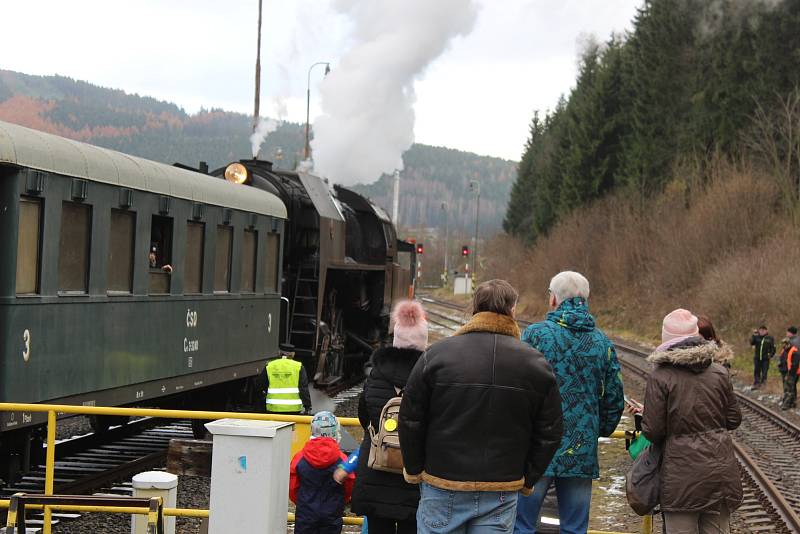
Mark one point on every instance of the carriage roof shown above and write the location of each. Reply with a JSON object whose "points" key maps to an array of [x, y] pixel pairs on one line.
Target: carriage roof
{"points": [[33, 149]]}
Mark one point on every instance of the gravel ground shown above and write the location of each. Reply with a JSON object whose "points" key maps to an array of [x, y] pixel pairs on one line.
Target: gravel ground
{"points": [[73, 426]]}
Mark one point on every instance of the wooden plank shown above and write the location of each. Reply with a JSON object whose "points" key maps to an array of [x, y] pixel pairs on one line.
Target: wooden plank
{"points": [[189, 457]]}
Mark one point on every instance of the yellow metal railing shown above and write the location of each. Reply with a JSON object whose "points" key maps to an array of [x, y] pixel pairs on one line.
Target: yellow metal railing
{"points": [[301, 434]]}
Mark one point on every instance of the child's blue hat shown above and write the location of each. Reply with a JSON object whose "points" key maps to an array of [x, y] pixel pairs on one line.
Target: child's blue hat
{"points": [[325, 425]]}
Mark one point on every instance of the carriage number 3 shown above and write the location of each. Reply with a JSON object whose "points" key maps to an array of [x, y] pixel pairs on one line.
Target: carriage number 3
{"points": [[26, 344]]}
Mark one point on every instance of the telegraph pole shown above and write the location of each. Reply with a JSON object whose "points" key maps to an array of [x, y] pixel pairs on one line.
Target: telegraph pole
{"points": [[446, 241], [258, 71], [475, 186]]}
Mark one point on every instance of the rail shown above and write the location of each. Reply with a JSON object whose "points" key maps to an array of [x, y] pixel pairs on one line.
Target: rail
{"points": [[53, 410], [782, 507]]}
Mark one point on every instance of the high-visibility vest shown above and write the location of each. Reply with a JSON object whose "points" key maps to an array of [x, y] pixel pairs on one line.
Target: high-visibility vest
{"points": [[283, 393], [789, 357]]}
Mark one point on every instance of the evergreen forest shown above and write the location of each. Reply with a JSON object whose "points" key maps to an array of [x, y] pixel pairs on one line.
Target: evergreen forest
{"points": [[692, 81]]}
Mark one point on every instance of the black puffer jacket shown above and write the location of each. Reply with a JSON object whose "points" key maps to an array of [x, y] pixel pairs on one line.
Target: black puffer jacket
{"points": [[378, 493], [481, 411]]}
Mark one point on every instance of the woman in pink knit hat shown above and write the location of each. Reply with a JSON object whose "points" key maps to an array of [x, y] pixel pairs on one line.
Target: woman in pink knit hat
{"points": [[388, 501], [689, 409]]}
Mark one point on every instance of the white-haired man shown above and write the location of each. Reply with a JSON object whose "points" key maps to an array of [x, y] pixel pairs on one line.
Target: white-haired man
{"points": [[586, 368]]}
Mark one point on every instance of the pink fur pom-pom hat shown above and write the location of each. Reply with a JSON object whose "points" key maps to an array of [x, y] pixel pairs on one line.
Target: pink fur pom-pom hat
{"points": [[410, 325]]}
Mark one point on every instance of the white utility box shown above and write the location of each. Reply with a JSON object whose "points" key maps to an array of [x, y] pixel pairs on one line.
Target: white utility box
{"points": [[462, 285], [249, 476]]}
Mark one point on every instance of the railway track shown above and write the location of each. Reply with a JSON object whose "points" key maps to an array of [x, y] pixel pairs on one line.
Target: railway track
{"points": [[767, 446], [87, 463]]}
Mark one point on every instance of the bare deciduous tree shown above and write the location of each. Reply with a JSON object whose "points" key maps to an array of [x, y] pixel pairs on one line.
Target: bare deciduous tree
{"points": [[774, 140]]}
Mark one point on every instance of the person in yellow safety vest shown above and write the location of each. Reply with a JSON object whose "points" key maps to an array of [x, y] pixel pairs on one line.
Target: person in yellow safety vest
{"points": [[286, 384]]}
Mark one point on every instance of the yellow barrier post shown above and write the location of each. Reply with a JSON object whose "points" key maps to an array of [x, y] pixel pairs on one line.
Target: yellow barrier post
{"points": [[49, 475], [647, 524]]}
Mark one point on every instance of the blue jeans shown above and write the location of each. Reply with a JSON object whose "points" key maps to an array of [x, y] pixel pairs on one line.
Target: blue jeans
{"points": [[574, 499], [465, 512]]}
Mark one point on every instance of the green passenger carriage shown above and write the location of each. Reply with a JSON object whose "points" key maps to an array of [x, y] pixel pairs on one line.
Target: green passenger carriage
{"points": [[127, 281]]}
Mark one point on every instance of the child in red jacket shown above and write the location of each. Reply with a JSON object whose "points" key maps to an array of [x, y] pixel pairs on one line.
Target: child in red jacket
{"points": [[319, 499]]}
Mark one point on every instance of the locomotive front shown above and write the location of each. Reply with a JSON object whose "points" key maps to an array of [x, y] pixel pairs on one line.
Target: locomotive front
{"points": [[341, 271]]}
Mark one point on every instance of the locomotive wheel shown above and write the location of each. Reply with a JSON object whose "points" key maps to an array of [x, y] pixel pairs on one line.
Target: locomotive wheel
{"points": [[101, 423]]}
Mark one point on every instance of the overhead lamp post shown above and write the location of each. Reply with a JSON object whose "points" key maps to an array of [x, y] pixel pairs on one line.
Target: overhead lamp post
{"points": [[475, 187], [446, 240], [308, 101]]}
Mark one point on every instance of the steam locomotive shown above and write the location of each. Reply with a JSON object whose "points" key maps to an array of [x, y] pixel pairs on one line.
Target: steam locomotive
{"points": [[343, 268]]}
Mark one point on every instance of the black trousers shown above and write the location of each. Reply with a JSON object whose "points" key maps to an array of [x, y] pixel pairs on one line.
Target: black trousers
{"points": [[760, 369], [381, 525]]}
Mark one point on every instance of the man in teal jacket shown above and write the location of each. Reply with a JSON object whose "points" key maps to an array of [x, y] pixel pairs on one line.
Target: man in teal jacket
{"points": [[585, 365]]}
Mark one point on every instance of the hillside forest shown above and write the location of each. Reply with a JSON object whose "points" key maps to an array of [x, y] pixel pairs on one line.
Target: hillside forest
{"points": [[162, 131], [670, 173]]}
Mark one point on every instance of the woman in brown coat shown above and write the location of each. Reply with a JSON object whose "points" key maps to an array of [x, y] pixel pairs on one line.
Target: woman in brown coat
{"points": [[690, 406]]}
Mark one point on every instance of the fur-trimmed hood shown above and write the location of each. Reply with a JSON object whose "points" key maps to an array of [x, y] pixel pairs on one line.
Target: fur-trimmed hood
{"points": [[694, 353], [494, 323]]}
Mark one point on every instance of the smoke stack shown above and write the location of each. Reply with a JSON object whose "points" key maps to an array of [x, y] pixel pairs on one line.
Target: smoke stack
{"points": [[396, 200]]}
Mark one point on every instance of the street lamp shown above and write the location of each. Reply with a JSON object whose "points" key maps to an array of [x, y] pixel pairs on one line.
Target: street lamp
{"points": [[475, 187], [446, 240], [308, 100]]}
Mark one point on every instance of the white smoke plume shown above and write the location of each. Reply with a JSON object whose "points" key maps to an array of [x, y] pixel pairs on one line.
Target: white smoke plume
{"points": [[263, 129], [716, 14], [368, 98]]}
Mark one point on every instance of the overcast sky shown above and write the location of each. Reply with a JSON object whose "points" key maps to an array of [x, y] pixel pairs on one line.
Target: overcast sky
{"points": [[478, 96]]}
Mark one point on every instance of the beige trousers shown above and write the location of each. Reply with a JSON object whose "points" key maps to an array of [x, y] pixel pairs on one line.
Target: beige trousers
{"points": [[698, 522]]}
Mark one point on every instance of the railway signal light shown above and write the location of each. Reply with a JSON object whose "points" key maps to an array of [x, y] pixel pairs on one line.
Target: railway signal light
{"points": [[420, 248], [465, 250]]}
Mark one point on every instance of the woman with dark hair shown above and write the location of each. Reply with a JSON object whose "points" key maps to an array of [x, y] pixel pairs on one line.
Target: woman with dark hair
{"points": [[386, 499], [706, 328], [709, 333]]}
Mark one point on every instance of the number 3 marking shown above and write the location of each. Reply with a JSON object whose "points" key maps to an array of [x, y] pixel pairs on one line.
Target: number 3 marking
{"points": [[26, 338], [269, 322]]}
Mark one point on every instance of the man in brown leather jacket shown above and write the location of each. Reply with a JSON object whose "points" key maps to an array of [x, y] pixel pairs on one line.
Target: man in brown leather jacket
{"points": [[480, 420]]}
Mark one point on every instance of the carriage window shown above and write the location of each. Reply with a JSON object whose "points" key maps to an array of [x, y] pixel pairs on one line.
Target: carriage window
{"points": [[73, 250], [120, 251], [249, 245], [271, 267], [222, 264], [193, 279], [30, 212], [159, 257]]}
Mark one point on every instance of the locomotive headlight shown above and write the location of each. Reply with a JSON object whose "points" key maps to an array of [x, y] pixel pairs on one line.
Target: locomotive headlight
{"points": [[236, 173]]}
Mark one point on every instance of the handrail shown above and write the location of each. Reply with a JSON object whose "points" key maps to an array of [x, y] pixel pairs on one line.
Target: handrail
{"points": [[53, 409], [167, 414]]}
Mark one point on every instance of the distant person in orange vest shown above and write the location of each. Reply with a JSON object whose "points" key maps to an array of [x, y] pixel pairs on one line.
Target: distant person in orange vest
{"points": [[284, 383], [791, 357], [763, 350]]}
